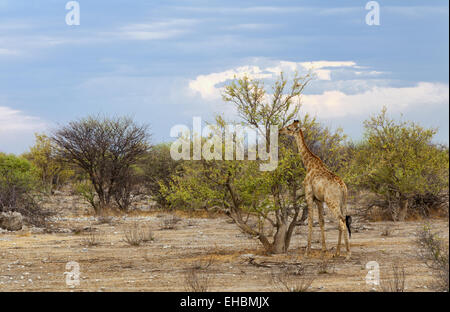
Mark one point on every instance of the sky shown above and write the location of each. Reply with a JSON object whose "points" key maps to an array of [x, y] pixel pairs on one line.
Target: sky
{"points": [[165, 62]]}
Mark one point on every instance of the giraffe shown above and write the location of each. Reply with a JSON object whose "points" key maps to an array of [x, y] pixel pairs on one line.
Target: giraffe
{"points": [[321, 185]]}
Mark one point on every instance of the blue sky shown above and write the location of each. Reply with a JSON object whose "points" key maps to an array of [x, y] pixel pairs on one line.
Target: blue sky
{"points": [[163, 62]]}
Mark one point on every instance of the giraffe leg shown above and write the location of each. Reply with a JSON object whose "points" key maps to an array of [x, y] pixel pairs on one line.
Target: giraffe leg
{"points": [[338, 248], [310, 201], [322, 224], [347, 243], [334, 208]]}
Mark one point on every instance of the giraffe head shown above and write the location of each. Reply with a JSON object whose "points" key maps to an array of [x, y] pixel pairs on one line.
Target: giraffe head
{"points": [[292, 129]]}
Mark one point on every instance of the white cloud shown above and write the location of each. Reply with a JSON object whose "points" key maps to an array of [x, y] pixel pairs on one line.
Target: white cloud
{"points": [[23, 43], [416, 11], [336, 92], [335, 103], [14, 124], [250, 27], [271, 10], [156, 30], [4, 51], [207, 85]]}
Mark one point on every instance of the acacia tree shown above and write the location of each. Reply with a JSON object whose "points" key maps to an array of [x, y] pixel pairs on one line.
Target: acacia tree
{"points": [[244, 193], [52, 171], [264, 204], [106, 149], [398, 161]]}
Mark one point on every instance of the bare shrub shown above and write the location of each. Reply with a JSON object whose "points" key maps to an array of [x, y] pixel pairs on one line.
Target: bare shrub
{"points": [[105, 220], [136, 235], [387, 231], [78, 230], [83, 229], [396, 281], [292, 279], [203, 265], [92, 239], [169, 223], [433, 251], [196, 279], [106, 150], [325, 267], [192, 223]]}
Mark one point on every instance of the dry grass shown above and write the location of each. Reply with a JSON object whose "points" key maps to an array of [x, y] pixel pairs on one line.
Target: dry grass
{"points": [[292, 279], [325, 267], [387, 231], [196, 278], [169, 223], [396, 280], [92, 239], [136, 235], [434, 253], [105, 220], [83, 229]]}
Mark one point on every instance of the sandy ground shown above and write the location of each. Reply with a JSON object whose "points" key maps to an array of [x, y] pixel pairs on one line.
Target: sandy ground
{"points": [[232, 261]]}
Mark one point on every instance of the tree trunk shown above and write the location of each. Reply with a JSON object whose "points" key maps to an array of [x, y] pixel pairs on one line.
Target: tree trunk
{"points": [[304, 215], [403, 211], [279, 240]]}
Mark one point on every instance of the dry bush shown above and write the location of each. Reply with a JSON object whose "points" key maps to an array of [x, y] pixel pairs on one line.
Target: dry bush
{"points": [[83, 229], [78, 230], [433, 251], [136, 235], [203, 265], [191, 222], [169, 223], [292, 279], [325, 267], [196, 279], [396, 281], [387, 231], [92, 239], [105, 220], [106, 150]]}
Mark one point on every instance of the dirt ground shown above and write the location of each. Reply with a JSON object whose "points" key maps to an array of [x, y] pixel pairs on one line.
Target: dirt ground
{"points": [[32, 260]]}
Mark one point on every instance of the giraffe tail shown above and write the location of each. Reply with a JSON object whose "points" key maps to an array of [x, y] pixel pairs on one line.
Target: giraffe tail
{"points": [[348, 222]]}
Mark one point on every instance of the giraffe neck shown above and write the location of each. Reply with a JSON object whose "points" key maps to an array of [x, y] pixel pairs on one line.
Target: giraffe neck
{"points": [[308, 158]]}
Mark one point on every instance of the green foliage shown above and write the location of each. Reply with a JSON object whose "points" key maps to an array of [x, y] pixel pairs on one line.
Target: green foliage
{"points": [[17, 172], [156, 169], [51, 169], [397, 161], [18, 185], [86, 190]]}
